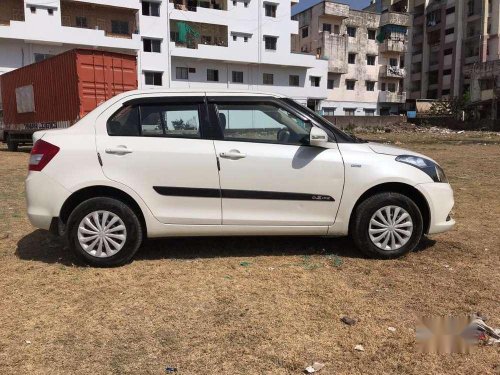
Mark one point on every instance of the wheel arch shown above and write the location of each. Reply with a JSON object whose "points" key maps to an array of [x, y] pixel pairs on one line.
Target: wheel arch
{"points": [[401, 188], [83, 194]]}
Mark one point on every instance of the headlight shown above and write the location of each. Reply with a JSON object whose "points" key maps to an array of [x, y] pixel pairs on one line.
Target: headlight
{"points": [[432, 169]]}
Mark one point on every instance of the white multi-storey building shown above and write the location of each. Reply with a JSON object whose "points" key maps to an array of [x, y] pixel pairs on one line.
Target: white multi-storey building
{"points": [[240, 44]]}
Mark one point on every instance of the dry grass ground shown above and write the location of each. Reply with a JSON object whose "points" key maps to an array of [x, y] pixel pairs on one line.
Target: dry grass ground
{"points": [[253, 305]]}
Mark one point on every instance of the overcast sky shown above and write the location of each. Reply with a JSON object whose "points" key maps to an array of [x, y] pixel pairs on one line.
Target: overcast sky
{"points": [[355, 4]]}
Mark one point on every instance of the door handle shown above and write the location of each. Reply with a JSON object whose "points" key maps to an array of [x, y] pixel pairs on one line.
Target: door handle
{"points": [[233, 155], [118, 150]]}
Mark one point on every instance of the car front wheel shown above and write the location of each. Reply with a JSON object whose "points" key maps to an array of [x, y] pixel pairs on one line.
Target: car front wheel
{"points": [[104, 232], [387, 225]]}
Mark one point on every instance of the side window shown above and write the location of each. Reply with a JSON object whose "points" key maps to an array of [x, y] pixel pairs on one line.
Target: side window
{"points": [[125, 122], [170, 120], [261, 122]]}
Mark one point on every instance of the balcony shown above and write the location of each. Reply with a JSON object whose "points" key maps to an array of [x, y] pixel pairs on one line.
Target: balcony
{"points": [[11, 10], [335, 51], [393, 45], [193, 5], [392, 97], [336, 10], [389, 71], [114, 21], [193, 34], [393, 18]]}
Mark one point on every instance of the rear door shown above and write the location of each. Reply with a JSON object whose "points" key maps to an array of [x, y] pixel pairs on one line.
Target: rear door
{"points": [[269, 175], [159, 147]]}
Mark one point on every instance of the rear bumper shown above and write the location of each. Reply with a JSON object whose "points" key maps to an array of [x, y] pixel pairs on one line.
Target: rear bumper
{"points": [[44, 198], [439, 196]]}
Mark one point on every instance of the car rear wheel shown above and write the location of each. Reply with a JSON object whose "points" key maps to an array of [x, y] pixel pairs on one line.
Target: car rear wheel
{"points": [[104, 232], [387, 225]]}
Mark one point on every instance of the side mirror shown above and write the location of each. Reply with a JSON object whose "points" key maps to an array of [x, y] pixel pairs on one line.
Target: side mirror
{"points": [[318, 137]]}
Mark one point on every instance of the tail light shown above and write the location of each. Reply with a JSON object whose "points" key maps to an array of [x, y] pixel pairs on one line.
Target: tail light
{"points": [[41, 154]]}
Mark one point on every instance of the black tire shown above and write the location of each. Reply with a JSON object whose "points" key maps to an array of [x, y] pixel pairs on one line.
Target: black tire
{"points": [[359, 230], [134, 233], [11, 145]]}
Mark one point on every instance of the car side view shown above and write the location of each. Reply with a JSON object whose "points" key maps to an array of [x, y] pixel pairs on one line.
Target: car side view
{"points": [[149, 164]]}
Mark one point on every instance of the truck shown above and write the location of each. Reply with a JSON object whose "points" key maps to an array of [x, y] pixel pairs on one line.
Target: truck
{"points": [[59, 91]]}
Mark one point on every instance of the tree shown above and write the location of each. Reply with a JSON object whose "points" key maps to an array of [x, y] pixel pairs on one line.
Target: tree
{"points": [[454, 107]]}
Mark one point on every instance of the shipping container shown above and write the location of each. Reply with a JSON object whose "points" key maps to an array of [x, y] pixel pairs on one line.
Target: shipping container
{"points": [[57, 92]]}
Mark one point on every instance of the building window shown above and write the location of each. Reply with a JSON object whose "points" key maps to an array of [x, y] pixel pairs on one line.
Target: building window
{"points": [[33, 9], [293, 80], [351, 31], [270, 10], [372, 34], [237, 77], [212, 75], [448, 51], [393, 62], [119, 27], [151, 45], [234, 38], [391, 87], [81, 22], [50, 11], [382, 86], [351, 58], [153, 78], [245, 38], [370, 59], [370, 86], [270, 42], [268, 79], [445, 92], [451, 10], [369, 112], [336, 29], [329, 84], [327, 27], [350, 84], [446, 72], [42, 56], [449, 31], [315, 81], [328, 111], [349, 111], [181, 73], [150, 8], [305, 32]]}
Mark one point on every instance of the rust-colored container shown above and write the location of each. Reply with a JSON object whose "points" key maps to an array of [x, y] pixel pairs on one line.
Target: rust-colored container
{"points": [[59, 91]]}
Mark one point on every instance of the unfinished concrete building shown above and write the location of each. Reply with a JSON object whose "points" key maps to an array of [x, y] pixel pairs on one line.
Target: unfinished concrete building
{"points": [[365, 52]]}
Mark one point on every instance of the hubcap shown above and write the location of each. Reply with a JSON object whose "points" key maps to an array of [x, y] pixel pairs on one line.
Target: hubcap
{"points": [[102, 234], [390, 228]]}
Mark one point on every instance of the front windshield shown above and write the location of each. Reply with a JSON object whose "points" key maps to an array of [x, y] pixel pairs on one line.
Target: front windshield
{"points": [[340, 135]]}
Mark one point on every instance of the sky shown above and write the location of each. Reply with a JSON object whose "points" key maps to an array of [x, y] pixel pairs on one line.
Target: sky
{"points": [[304, 4]]}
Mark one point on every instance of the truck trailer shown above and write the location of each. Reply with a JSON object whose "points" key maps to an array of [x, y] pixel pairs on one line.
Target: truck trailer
{"points": [[59, 91]]}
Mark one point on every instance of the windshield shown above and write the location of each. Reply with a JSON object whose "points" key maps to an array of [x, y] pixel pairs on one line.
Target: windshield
{"points": [[340, 136]]}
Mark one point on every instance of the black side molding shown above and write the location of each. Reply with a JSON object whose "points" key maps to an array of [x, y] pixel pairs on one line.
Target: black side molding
{"points": [[239, 194]]}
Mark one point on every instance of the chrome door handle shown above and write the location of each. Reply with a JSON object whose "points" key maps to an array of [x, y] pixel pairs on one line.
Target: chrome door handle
{"points": [[233, 155], [119, 150]]}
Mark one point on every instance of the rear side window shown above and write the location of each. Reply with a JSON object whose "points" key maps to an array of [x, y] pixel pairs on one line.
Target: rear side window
{"points": [[125, 122], [163, 120]]}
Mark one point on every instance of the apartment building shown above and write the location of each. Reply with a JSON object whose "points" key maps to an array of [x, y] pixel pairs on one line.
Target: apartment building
{"points": [[238, 44], [365, 51]]}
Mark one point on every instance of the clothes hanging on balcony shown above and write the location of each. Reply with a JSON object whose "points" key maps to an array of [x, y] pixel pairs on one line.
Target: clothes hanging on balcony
{"points": [[184, 31]]}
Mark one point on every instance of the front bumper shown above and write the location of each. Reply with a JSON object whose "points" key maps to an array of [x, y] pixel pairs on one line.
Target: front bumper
{"points": [[439, 196], [44, 198]]}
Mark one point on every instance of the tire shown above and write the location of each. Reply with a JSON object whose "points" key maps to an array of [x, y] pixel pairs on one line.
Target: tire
{"points": [[11, 145], [107, 209], [369, 236]]}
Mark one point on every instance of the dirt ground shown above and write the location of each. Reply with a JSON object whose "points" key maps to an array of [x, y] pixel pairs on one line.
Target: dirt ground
{"points": [[253, 305]]}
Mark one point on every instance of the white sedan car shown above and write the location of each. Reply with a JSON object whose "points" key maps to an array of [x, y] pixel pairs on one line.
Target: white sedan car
{"points": [[183, 163]]}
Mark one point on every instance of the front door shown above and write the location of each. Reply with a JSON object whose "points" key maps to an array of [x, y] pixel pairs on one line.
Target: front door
{"points": [[158, 149], [268, 173]]}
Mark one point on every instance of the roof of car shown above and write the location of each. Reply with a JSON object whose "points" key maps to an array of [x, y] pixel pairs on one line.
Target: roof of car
{"points": [[218, 92]]}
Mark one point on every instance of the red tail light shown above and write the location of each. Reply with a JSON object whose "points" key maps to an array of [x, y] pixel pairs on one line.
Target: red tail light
{"points": [[41, 154]]}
